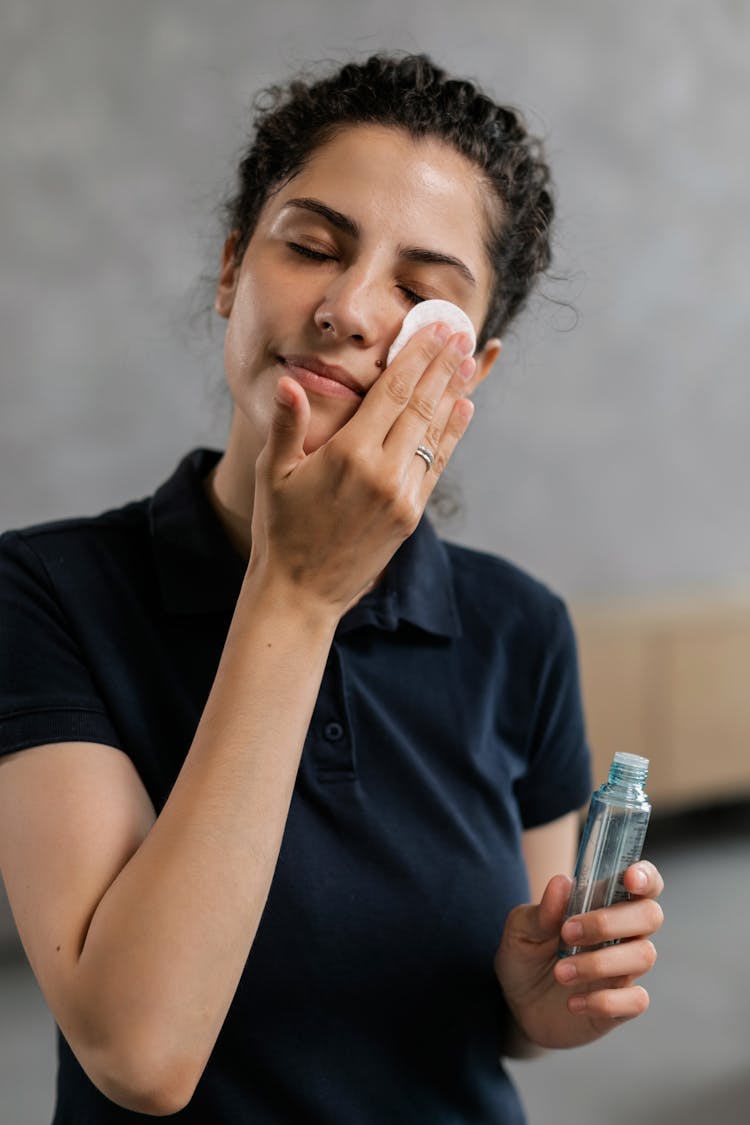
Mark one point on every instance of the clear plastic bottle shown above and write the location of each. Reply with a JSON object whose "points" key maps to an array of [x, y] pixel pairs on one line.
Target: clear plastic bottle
{"points": [[612, 838]]}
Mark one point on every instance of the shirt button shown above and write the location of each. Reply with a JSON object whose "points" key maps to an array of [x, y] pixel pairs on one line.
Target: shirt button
{"points": [[333, 731]]}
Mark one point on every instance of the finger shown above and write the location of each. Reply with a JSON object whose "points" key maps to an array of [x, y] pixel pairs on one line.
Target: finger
{"points": [[441, 384], [433, 434], [638, 918], [458, 424], [629, 959], [553, 903], [611, 1004], [542, 923], [644, 880], [390, 395], [289, 422]]}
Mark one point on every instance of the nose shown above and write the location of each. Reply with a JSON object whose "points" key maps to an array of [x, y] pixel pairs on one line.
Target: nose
{"points": [[354, 308]]}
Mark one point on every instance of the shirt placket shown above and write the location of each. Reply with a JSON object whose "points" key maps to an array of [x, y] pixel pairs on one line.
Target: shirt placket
{"points": [[331, 735]]}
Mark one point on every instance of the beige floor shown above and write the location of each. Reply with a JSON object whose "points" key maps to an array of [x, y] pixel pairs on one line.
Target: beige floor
{"points": [[686, 1061]]}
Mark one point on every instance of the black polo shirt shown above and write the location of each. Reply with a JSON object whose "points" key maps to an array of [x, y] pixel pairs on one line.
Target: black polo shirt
{"points": [[449, 719]]}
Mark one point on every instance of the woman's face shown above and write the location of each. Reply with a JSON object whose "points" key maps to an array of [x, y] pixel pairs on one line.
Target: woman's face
{"points": [[374, 222]]}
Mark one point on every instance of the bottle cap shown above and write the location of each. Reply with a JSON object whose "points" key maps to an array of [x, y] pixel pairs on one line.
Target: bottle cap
{"points": [[634, 761], [628, 768]]}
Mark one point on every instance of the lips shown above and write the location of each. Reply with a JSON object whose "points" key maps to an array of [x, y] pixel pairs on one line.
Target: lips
{"points": [[299, 365]]}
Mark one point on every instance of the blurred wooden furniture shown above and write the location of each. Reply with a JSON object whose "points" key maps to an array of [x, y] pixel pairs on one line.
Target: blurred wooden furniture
{"points": [[671, 681]]}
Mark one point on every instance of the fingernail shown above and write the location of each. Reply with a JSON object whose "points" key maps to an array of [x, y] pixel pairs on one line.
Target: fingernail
{"points": [[641, 878], [284, 396], [577, 1003], [463, 344], [566, 971], [442, 333], [572, 932], [467, 368]]}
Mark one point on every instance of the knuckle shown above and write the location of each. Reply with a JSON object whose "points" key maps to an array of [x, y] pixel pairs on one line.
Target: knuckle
{"points": [[390, 489], [424, 408], [606, 1002], [364, 463], [448, 361], [377, 490], [433, 435], [345, 460], [407, 512], [426, 350], [604, 924], [614, 1005], [597, 966], [399, 389]]}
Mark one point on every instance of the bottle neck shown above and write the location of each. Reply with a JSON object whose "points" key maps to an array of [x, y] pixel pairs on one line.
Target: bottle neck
{"points": [[627, 775]]}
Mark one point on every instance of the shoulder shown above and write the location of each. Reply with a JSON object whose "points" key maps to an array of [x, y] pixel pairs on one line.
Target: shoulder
{"points": [[493, 590], [518, 630], [167, 545], [78, 547], [77, 529], [121, 537]]}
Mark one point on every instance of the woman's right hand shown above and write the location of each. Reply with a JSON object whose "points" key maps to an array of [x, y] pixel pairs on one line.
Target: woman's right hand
{"points": [[326, 524]]}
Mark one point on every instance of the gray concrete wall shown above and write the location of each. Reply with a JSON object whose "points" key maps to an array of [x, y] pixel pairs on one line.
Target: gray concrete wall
{"points": [[609, 454]]}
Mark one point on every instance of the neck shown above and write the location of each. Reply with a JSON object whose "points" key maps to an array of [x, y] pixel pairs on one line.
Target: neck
{"points": [[230, 488]]}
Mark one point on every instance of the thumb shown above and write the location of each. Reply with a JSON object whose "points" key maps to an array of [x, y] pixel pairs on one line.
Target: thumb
{"points": [[544, 921], [554, 904], [290, 419]]}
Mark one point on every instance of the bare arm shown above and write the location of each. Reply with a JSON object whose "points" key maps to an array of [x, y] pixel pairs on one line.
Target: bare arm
{"points": [[138, 927], [550, 850]]}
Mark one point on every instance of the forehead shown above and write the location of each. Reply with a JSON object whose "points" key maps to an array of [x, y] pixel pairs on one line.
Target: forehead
{"points": [[411, 190]]}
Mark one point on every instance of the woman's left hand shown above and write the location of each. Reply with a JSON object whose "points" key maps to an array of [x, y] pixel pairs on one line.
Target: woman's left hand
{"points": [[569, 1001]]}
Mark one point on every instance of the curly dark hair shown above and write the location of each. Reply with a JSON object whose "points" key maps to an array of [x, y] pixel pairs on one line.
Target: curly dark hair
{"points": [[411, 93]]}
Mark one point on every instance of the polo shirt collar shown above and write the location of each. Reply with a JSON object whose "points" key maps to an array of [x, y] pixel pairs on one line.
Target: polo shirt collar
{"points": [[417, 588], [199, 570]]}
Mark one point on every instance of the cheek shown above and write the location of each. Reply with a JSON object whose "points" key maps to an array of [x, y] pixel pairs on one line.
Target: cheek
{"points": [[240, 352], [246, 332], [266, 317]]}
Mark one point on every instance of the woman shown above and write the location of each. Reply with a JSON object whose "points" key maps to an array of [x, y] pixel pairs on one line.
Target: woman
{"points": [[229, 927]]}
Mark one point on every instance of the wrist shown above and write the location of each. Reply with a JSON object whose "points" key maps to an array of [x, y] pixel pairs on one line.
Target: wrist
{"points": [[265, 591]]}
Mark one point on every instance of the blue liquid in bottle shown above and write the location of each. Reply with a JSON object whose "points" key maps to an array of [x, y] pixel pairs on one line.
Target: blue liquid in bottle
{"points": [[612, 839]]}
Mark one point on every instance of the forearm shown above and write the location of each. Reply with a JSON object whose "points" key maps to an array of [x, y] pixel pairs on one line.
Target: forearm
{"points": [[168, 941]]}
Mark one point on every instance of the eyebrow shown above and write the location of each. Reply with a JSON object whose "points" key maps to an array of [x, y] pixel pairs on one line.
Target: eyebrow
{"points": [[434, 257], [348, 226], [335, 218]]}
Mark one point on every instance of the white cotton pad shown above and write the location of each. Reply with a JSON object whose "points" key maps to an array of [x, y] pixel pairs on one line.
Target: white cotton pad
{"points": [[428, 312]]}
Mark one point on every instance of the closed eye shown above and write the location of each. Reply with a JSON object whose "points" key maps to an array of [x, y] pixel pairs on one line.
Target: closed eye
{"points": [[318, 256], [410, 295], [306, 252]]}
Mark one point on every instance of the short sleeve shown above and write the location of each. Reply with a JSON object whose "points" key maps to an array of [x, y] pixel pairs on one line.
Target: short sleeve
{"points": [[558, 775], [47, 693]]}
